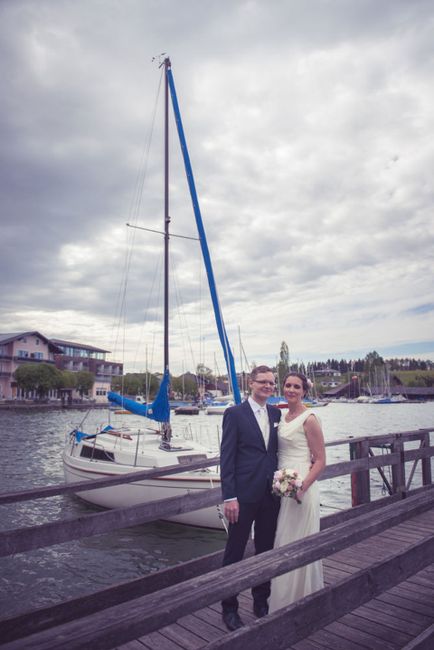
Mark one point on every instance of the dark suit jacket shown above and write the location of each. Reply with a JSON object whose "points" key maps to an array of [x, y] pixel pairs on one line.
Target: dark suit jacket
{"points": [[247, 467]]}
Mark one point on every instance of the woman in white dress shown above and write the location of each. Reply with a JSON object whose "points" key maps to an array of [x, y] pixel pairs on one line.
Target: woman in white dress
{"points": [[301, 448]]}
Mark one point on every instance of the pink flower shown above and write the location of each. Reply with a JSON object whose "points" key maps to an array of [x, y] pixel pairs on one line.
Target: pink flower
{"points": [[286, 483]]}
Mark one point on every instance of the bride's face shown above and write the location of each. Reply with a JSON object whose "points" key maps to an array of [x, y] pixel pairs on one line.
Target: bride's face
{"points": [[293, 389]]}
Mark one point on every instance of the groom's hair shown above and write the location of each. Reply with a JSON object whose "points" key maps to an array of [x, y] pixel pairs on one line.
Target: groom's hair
{"points": [[256, 371]]}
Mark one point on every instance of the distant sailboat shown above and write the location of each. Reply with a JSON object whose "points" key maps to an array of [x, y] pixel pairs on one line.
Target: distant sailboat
{"points": [[119, 451]]}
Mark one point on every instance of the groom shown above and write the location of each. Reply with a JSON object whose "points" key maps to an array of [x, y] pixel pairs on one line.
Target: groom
{"points": [[248, 461]]}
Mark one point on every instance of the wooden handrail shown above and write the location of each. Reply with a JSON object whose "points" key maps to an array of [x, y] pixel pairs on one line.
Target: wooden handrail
{"points": [[130, 477], [338, 469], [130, 620], [42, 618], [25, 539], [65, 530]]}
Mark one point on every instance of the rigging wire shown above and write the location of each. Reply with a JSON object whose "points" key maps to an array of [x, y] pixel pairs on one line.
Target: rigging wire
{"points": [[119, 321], [182, 317], [154, 291]]}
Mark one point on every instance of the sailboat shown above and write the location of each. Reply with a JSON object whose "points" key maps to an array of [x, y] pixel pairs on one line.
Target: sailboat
{"points": [[117, 451]]}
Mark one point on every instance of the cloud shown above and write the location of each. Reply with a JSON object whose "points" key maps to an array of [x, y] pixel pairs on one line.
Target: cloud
{"points": [[310, 144]]}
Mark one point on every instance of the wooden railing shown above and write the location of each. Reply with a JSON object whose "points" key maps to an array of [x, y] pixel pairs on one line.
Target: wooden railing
{"points": [[26, 539], [124, 612], [396, 457]]}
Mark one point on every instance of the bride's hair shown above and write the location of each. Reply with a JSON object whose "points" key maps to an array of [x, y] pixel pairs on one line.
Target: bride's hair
{"points": [[304, 380]]}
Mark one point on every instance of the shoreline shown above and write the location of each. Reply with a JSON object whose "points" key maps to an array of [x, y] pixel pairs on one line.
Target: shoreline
{"points": [[50, 406]]}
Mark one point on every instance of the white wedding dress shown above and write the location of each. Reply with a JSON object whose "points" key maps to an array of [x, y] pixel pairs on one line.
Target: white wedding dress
{"points": [[296, 521]]}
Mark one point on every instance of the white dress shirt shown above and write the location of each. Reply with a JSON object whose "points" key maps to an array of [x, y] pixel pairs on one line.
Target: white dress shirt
{"points": [[261, 415]]}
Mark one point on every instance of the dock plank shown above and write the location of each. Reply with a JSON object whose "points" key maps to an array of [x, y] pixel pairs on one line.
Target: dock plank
{"points": [[158, 641], [405, 604], [414, 618], [336, 642], [182, 636], [372, 613], [363, 637], [396, 638], [202, 628], [306, 644], [387, 622]]}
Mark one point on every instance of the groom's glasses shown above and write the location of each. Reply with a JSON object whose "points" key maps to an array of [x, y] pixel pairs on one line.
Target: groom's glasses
{"points": [[263, 382]]}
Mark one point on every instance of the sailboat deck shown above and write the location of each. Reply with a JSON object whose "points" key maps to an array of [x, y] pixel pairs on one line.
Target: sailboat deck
{"points": [[391, 621]]}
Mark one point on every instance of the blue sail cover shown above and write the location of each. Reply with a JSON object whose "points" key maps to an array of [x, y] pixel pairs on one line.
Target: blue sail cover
{"points": [[159, 410], [230, 365]]}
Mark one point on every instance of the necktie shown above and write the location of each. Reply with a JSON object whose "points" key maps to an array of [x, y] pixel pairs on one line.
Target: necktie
{"points": [[264, 424]]}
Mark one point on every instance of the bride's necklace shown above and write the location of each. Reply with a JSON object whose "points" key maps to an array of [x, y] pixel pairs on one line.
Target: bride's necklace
{"points": [[291, 416]]}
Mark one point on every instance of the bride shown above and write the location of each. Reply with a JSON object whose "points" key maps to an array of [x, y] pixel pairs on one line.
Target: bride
{"points": [[301, 448]]}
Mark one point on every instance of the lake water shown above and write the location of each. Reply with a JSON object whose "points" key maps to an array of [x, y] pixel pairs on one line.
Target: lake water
{"points": [[32, 444]]}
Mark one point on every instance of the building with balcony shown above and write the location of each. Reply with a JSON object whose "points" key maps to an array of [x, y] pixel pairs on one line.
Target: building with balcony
{"points": [[17, 349], [77, 357], [33, 347]]}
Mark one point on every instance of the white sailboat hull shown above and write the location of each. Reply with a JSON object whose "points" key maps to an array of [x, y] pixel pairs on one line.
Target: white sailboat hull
{"points": [[77, 468]]}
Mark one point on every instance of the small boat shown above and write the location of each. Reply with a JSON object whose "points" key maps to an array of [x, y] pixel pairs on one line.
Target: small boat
{"points": [[315, 403], [188, 409], [114, 451], [218, 408], [387, 399], [281, 402]]}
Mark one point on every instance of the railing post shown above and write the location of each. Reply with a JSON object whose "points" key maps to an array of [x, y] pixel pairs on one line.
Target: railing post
{"points": [[398, 469], [426, 462], [360, 483]]}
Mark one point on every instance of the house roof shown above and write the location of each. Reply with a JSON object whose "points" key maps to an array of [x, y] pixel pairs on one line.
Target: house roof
{"points": [[8, 338], [74, 344], [425, 391], [408, 391]]}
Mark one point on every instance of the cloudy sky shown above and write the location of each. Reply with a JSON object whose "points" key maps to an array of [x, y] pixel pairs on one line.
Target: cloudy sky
{"points": [[310, 128]]}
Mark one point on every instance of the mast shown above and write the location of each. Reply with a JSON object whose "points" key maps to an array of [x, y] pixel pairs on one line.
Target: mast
{"points": [[166, 214], [230, 363], [166, 429]]}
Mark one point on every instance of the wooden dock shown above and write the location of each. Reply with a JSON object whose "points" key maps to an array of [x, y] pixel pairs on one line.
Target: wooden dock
{"points": [[379, 569], [390, 621]]}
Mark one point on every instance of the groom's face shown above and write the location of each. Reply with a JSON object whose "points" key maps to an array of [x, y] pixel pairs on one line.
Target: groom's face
{"points": [[262, 386]]}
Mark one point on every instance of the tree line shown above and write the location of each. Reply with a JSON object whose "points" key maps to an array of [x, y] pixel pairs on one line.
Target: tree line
{"points": [[42, 378]]}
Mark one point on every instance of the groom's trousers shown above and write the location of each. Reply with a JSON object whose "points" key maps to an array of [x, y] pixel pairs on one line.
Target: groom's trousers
{"points": [[264, 516]]}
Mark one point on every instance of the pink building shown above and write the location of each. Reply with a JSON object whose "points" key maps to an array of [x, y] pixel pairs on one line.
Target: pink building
{"points": [[16, 349], [33, 347]]}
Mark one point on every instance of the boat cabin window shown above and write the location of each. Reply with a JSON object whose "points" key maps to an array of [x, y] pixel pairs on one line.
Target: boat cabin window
{"points": [[98, 454]]}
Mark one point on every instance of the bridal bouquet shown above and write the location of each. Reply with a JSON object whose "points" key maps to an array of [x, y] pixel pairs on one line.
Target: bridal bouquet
{"points": [[286, 483]]}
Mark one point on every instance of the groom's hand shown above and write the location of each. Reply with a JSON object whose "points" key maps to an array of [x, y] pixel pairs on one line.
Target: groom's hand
{"points": [[231, 510]]}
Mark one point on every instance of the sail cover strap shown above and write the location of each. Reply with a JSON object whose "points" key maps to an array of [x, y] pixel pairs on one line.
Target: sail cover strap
{"points": [[230, 365]]}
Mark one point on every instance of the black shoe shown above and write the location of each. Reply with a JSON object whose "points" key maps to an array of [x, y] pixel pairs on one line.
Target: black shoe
{"points": [[232, 620], [260, 609]]}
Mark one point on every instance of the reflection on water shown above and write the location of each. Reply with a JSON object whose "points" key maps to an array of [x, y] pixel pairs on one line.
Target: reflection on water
{"points": [[32, 445]]}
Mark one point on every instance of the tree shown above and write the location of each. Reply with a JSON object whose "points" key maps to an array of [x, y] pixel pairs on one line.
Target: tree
{"points": [[136, 383], [84, 381], [68, 379], [185, 385], [204, 372], [373, 359], [38, 377], [283, 365], [133, 384]]}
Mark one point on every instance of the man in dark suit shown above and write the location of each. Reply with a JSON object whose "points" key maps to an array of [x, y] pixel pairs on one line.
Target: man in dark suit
{"points": [[248, 461]]}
